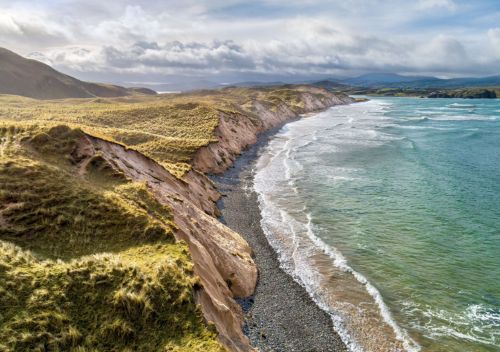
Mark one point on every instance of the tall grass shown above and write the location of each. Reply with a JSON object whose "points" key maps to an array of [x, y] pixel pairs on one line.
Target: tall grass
{"points": [[88, 260], [168, 128], [88, 263]]}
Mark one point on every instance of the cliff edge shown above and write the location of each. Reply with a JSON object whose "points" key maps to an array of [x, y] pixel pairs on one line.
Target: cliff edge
{"points": [[165, 147]]}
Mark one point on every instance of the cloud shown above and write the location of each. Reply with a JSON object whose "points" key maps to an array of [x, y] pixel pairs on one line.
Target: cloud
{"points": [[436, 4], [494, 38], [191, 55], [8, 25], [263, 37], [16, 25], [443, 50], [307, 47]]}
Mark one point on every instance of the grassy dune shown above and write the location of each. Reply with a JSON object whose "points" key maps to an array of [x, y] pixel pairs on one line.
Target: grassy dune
{"points": [[167, 128], [88, 258], [88, 263]]}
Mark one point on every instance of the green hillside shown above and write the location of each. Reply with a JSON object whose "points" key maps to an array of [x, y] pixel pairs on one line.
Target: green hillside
{"points": [[88, 262], [167, 128], [31, 78], [88, 258]]}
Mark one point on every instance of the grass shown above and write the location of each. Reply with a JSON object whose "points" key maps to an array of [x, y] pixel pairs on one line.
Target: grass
{"points": [[88, 263], [103, 302], [167, 128], [88, 258], [168, 131], [472, 92]]}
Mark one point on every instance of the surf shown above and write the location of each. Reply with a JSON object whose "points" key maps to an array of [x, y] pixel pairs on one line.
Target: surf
{"points": [[324, 178]]}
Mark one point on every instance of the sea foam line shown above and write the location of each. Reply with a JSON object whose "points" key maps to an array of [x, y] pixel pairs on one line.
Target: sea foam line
{"points": [[341, 263], [338, 260], [300, 277]]}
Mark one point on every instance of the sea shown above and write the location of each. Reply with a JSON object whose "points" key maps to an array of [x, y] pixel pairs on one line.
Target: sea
{"points": [[388, 213]]}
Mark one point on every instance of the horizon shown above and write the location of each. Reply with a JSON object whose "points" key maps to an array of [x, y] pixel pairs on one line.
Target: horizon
{"points": [[269, 40]]}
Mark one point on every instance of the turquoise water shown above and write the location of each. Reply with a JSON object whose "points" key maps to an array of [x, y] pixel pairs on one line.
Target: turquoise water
{"points": [[405, 193]]}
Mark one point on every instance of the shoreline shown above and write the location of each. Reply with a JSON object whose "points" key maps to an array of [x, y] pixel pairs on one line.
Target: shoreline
{"points": [[281, 315]]}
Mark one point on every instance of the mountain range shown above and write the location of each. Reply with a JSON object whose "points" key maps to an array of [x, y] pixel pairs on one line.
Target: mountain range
{"points": [[32, 78], [392, 80]]}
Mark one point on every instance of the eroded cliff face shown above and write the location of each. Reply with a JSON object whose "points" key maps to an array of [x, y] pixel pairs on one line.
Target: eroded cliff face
{"points": [[237, 131], [222, 258]]}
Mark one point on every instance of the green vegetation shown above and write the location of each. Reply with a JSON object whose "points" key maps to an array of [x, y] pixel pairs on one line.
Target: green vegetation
{"points": [[167, 128], [88, 262], [466, 93], [88, 258]]}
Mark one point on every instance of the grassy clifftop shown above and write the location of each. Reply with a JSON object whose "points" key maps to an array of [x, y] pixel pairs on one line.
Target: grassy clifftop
{"points": [[167, 128], [88, 258], [88, 261]]}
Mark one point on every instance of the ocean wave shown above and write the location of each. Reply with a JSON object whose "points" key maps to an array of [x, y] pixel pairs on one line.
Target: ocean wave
{"points": [[449, 117], [299, 271], [464, 118], [461, 106], [476, 323], [419, 126], [340, 262], [316, 148], [417, 119], [292, 257]]}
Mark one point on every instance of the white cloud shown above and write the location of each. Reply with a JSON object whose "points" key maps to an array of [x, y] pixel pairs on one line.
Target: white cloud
{"points": [[284, 37], [8, 25], [29, 25], [443, 50], [494, 37], [436, 4]]}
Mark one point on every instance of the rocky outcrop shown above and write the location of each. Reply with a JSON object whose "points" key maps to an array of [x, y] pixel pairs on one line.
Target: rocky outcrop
{"points": [[222, 258]]}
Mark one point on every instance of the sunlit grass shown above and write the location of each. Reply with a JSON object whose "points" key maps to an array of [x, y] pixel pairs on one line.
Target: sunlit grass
{"points": [[88, 262], [88, 258], [167, 128]]}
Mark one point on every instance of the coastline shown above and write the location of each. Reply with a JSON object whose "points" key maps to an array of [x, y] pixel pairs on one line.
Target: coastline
{"points": [[281, 315], [229, 121]]}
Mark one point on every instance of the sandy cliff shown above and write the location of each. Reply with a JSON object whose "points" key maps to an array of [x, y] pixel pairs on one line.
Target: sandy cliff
{"points": [[222, 258], [238, 131]]}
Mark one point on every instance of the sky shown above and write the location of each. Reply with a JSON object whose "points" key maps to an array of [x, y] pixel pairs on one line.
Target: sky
{"points": [[261, 40]]}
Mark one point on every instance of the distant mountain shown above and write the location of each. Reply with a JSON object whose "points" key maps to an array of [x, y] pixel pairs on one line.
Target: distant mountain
{"points": [[256, 84], [191, 85], [465, 82], [31, 78], [392, 80], [330, 84], [181, 86], [381, 79]]}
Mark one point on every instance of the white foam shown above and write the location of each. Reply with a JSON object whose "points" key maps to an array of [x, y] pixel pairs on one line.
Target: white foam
{"points": [[305, 275], [288, 249], [463, 118], [292, 264], [461, 106], [341, 262], [477, 323]]}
